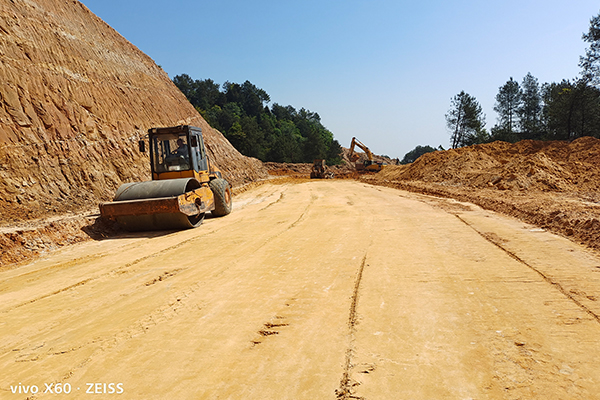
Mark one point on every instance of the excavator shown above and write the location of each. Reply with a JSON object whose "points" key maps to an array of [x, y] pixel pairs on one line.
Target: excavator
{"points": [[369, 164], [183, 188], [320, 171]]}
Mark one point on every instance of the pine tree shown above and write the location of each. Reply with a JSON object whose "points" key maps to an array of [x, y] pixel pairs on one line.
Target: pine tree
{"points": [[508, 102], [591, 62], [465, 120], [530, 111]]}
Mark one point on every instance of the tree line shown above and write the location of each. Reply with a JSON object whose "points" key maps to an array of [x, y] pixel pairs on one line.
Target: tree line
{"points": [[277, 133], [563, 110]]}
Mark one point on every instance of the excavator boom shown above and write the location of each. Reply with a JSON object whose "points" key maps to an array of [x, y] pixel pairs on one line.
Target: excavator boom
{"points": [[369, 164]]}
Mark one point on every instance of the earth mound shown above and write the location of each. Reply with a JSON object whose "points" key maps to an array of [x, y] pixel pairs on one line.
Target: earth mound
{"points": [[554, 184], [524, 166]]}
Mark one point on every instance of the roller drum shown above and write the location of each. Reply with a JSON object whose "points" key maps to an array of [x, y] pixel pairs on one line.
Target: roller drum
{"points": [[159, 222], [154, 190]]}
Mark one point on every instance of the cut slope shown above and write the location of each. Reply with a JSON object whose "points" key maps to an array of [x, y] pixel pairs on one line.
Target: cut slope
{"points": [[75, 96]]}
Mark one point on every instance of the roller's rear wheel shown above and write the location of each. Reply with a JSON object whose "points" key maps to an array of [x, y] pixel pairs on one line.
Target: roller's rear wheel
{"points": [[222, 193]]}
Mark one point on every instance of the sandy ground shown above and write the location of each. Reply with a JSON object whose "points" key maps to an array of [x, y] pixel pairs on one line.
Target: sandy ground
{"points": [[316, 290]]}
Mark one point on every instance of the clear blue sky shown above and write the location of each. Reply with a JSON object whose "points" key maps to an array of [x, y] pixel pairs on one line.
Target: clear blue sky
{"points": [[381, 70]]}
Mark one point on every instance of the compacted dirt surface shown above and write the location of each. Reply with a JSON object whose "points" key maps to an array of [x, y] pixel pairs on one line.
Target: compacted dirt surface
{"points": [[330, 289]]}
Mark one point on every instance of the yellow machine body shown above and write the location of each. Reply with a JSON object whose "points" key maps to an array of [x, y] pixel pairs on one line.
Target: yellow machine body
{"points": [[184, 186]]}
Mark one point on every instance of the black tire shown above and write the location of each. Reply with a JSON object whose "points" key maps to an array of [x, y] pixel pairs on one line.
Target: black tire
{"points": [[222, 193]]}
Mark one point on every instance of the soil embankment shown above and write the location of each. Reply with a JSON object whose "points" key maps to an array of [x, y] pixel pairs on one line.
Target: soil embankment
{"points": [[555, 185], [75, 97]]}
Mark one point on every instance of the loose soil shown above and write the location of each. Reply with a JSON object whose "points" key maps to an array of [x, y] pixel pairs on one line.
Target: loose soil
{"points": [[312, 289], [554, 185]]}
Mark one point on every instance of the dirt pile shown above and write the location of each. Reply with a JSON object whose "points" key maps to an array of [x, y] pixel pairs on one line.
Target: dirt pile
{"points": [[302, 170], [75, 96], [555, 185], [525, 166]]}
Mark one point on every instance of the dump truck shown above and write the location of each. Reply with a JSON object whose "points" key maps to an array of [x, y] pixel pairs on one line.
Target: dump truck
{"points": [[320, 171], [184, 186], [369, 164]]}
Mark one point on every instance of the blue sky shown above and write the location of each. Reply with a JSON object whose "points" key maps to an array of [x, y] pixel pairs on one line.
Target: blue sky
{"points": [[381, 70]]}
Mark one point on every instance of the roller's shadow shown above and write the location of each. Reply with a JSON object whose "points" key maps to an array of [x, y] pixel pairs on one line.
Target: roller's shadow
{"points": [[105, 229]]}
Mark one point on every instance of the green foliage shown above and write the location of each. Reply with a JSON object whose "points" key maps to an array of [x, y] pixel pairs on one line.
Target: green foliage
{"points": [[591, 62], [280, 134], [554, 111], [530, 110], [508, 102], [571, 110], [415, 153], [465, 120]]}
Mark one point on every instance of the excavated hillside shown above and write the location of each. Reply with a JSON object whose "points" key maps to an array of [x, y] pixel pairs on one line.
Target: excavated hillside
{"points": [[555, 185], [75, 96]]}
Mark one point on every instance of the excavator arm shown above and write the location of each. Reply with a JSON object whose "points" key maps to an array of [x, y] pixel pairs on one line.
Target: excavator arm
{"points": [[370, 164], [360, 145]]}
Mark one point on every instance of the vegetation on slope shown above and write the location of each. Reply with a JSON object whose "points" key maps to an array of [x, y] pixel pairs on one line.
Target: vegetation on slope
{"points": [[276, 133]]}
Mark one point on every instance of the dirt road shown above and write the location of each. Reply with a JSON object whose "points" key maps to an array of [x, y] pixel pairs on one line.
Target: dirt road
{"points": [[312, 290]]}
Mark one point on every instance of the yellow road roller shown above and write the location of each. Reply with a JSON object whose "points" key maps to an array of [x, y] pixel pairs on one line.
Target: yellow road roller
{"points": [[183, 188]]}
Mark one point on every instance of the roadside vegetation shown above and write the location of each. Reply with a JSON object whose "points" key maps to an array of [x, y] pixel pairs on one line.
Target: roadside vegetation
{"points": [[564, 110], [277, 133]]}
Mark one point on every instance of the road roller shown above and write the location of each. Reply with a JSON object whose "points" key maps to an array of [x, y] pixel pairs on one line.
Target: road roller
{"points": [[184, 186]]}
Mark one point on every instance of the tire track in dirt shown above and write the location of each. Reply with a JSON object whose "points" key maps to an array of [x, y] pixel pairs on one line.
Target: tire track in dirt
{"points": [[112, 272], [143, 325], [128, 266], [88, 259], [346, 389], [493, 240], [281, 196], [121, 269], [169, 311], [450, 208]]}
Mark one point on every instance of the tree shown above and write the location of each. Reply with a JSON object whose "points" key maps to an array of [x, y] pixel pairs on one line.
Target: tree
{"points": [[508, 102], [415, 153], [571, 110], [465, 120], [277, 134], [186, 84], [530, 111], [591, 62]]}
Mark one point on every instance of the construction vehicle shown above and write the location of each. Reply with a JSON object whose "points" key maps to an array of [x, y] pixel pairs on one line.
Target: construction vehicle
{"points": [[320, 171], [183, 188], [367, 165]]}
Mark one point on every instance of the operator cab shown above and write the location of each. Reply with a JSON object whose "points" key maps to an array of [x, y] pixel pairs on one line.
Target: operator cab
{"points": [[177, 152]]}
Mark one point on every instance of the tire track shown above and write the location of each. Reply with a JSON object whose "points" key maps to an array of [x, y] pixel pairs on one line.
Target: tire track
{"points": [[180, 305], [281, 196], [137, 261], [545, 277], [114, 271], [94, 258], [346, 389]]}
